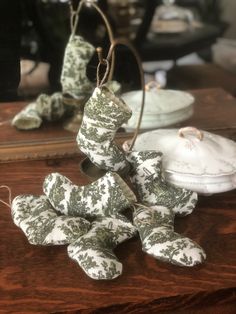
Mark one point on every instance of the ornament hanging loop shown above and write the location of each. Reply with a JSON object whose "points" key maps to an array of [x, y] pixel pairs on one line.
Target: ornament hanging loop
{"points": [[74, 20], [123, 41]]}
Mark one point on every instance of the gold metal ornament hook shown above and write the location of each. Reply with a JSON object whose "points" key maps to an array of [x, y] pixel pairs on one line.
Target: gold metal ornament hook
{"points": [[128, 44], [75, 19], [100, 55], [102, 61]]}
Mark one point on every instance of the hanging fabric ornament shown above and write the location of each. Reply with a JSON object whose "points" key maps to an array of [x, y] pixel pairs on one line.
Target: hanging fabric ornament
{"points": [[104, 113], [76, 86], [74, 80]]}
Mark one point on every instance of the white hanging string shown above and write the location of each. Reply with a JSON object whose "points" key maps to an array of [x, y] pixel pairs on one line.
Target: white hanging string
{"points": [[5, 122], [9, 195]]}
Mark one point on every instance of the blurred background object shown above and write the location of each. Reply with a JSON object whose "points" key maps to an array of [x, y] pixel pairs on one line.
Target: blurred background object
{"points": [[10, 34], [37, 31]]}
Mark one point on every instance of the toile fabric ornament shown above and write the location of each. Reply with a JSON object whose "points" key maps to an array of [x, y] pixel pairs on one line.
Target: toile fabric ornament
{"points": [[41, 223], [107, 196], [94, 250], [155, 219], [50, 108], [28, 118], [146, 175], [155, 225], [74, 80], [104, 113], [101, 202]]}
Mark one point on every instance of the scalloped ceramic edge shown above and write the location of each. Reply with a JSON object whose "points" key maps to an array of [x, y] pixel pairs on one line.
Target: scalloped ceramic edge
{"points": [[162, 108]]}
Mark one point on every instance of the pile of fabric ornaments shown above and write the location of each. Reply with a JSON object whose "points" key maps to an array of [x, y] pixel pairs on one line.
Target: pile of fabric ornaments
{"points": [[91, 219]]}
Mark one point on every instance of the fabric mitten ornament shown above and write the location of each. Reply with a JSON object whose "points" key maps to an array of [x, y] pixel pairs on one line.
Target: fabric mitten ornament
{"points": [[42, 225], [46, 107], [155, 225], [94, 250], [104, 113], [146, 175], [74, 80], [107, 196]]}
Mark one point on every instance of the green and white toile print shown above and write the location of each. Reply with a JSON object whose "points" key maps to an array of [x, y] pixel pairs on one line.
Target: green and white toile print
{"points": [[28, 118], [50, 108], [107, 196], [42, 225], [94, 250], [74, 79], [45, 107], [146, 176], [156, 230], [104, 113]]}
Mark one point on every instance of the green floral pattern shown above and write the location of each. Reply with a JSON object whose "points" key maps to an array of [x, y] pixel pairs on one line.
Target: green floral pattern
{"points": [[107, 196], [45, 107], [50, 108], [28, 118], [104, 113], [146, 175], [94, 250], [42, 225], [155, 219], [156, 229], [74, 80]]}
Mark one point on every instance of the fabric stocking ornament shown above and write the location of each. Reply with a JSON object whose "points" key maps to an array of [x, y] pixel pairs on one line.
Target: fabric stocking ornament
{"points": [[104, 113], [46, 107], [155, 220], [107, 196], [146, 175], [74, 80], [156, 230], [42, 225], [94, 250], [28, 118]]}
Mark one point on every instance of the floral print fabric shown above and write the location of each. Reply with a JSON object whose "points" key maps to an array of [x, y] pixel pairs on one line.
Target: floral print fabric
{"points": [[87, 218], [41, 223], [74, 80], [155, 219], [94, 250], [45, 107], [104, 113], [107, 196]]}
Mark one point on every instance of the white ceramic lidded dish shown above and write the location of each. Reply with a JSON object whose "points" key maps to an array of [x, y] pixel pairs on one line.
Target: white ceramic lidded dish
{"points": [[162, 108], [193, 159]]}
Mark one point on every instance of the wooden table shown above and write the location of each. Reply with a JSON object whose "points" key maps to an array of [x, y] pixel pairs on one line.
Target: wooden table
{"points": [[36, 279]]}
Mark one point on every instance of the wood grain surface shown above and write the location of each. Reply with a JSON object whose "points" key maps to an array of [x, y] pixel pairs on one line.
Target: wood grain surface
{"points": [[214, 110], [35, 279]]}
